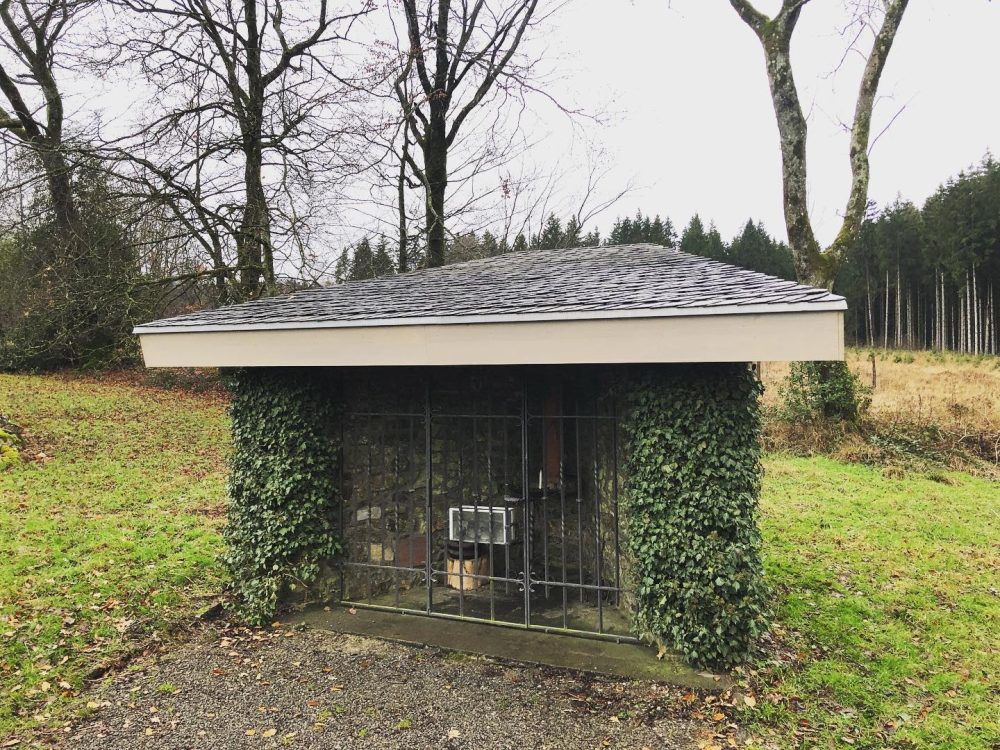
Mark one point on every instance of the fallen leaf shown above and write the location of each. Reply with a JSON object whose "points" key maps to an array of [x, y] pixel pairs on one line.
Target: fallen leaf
{"points": [[750, 700], [269, 732], [453, 734]]}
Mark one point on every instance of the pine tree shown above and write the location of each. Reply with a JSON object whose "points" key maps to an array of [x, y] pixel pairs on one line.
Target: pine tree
{"points": [[551, 236], [669, 233], [657, 234], [342, 270], [693, 239], [755, 249], [621, 232], [382, 262], [715, 248], [571, 235], [362, 261], [488, 245]]}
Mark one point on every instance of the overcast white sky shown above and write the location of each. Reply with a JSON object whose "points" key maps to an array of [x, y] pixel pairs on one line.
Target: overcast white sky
{"points": [[690, 119], [694, 123]]}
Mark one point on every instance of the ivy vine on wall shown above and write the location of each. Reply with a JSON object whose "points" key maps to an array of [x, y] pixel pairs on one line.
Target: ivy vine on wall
{"points": [[691, 491], [283, 489]]}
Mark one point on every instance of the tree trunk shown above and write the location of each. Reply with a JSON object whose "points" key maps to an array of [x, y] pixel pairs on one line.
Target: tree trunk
{"points": [[60, 186], [436, 173], [403, 264], [899, 308], [792, 130], [871, 314], [975, 313], [253, 250], [885, 323]]}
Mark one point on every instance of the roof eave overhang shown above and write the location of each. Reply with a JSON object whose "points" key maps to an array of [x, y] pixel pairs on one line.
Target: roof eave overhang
{"points": [[810, 331], [625, 313]]}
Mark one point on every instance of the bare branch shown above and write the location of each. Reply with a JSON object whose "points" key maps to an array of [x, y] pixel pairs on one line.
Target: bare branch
{"points": [[750, 15], [861, 131]]}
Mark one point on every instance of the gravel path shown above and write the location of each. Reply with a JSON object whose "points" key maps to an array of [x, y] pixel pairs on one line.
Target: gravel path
{"points": [[233, 689]]}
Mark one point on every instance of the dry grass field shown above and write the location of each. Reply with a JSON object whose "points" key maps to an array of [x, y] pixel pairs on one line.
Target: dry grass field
{"points": [[949, 390], [946, 405]]}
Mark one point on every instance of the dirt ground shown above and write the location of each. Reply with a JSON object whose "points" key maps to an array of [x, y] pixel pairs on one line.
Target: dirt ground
{"points": [[313, 689]]}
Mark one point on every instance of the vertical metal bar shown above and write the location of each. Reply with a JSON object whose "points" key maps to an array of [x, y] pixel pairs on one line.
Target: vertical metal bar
{"points": [[395, 499], [368, 536], [413, 527], [508, 528], [459, 426], [444, 471], [526, 544], [343, 501], [489, 497], [429, 512], [579, 495], [614, 505], [562, 516], [545, 501], [597, 528]]}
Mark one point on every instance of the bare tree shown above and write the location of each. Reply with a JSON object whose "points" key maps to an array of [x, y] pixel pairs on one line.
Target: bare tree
{"points": [[462, 54], [248, 95], [33, 33], [537, 194], [812, 264]]}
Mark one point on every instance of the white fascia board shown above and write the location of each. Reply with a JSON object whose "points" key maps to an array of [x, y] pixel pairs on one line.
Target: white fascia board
{"points": [[788, 336], [669, 312]]}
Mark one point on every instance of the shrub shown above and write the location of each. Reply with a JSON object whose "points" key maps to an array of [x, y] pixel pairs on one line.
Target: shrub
{"points": [[283, 490], [691, 490], [10, 443], [823, 390]]}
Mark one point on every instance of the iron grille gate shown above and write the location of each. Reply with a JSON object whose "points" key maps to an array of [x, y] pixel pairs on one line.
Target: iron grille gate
{"points": [[485, 495]]}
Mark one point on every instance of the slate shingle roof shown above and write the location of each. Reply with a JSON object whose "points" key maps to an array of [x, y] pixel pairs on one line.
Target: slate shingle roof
{"points": [[588, 282]]}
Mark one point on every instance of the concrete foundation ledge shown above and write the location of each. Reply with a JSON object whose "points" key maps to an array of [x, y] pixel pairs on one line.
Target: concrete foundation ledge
{"points": [[628, 660]]}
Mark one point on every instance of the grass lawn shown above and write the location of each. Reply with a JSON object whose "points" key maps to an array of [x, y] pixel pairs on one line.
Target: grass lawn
{"points": [[887, 589], [888, 608], [109, 541]]}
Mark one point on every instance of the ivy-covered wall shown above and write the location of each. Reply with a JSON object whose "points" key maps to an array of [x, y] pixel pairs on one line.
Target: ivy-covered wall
{"points": [[689, 479], [691, 482], [283, 483]]}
